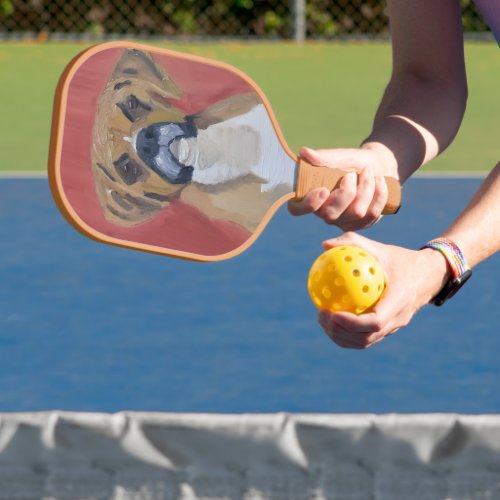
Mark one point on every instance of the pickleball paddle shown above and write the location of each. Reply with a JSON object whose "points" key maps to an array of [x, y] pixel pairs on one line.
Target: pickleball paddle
{"points": [[172, 153]]}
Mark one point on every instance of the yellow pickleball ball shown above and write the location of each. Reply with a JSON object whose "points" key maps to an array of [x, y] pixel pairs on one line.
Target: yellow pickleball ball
{"points": [[346, 278]]}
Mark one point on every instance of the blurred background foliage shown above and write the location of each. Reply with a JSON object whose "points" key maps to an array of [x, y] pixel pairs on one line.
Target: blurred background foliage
{"points": [[202, 18]]}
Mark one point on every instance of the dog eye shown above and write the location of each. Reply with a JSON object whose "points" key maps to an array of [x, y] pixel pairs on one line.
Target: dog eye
{"points": [[129, 170], [133, 108], [120, 85]]}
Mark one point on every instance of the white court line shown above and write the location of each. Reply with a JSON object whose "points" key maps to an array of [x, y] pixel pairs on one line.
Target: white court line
{"points": [[454, 174], [35, 174]]}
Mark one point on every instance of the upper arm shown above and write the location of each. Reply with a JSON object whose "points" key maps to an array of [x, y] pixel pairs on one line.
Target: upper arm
{"points": [[427, 39]]}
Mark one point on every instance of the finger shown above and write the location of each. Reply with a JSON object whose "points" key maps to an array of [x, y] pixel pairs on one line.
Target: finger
{"points": [[372, 326], [340, 335], [348, 338], [314, 156], [339, 157], [373, 214], [358, 215], [342, 340], [361, 340], [339, 199], [311, 203], [375, 209], [352, 340], [343, 343], [357, 224], [362, 324], [380, 197], [364, 196], [348, 238]]}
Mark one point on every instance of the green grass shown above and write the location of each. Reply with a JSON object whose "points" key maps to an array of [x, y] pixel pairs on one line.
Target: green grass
{"points": [[324, 95]]}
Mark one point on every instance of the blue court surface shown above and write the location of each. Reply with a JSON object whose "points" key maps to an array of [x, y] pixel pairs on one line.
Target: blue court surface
{"points": [[90, 327]]}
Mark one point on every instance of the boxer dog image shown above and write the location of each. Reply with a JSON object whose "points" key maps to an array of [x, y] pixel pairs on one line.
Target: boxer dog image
{"points": [[147, 152]]}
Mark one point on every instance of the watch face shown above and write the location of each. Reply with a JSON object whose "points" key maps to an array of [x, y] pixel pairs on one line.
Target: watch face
{"points": [[451, 288]]}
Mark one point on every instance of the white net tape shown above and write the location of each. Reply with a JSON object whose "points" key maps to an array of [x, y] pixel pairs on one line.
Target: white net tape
{"points": [[160, 456]]}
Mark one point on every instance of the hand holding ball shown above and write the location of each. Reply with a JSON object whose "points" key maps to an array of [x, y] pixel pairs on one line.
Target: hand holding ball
{"points": [[346, 278]]}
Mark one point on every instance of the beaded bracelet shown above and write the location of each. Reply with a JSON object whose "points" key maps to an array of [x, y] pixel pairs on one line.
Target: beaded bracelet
{"points": [[459, 267]]}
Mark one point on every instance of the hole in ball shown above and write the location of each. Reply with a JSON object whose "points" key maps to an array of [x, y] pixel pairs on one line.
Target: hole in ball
{"points": [[317, 301]]}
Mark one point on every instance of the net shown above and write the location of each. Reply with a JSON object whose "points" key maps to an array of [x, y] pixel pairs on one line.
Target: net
{"points": [[153, 456], [326, 19]]}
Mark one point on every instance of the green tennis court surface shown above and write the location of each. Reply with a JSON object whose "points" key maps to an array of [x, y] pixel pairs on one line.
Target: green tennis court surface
{"points": [[324, 95]]}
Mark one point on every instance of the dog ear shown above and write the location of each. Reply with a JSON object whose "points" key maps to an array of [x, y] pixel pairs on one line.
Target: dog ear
{"points": [[226, 109], [136, 64], [136, 94]]}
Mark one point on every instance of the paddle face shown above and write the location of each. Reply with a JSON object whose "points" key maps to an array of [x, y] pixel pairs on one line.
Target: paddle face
{"points": [[165, 152]]}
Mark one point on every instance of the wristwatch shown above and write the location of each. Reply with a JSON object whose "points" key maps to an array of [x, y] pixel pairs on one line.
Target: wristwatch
{"points": [[460, 270]]}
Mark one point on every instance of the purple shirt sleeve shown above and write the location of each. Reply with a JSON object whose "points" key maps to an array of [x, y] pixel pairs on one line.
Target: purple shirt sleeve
{"points": [[490, 9]]}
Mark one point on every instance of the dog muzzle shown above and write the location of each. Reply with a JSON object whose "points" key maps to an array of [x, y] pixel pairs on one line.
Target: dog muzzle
{"points": [[153, 147]]}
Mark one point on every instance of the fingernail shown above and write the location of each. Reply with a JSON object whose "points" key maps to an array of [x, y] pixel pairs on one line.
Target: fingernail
{"points": [[323, 194]]}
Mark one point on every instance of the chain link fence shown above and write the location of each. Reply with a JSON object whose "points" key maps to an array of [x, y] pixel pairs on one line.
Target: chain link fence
{"points": [[284, 19]]}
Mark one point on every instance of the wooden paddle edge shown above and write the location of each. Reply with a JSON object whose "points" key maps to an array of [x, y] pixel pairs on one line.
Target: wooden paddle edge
{"points": [[56, 140]]}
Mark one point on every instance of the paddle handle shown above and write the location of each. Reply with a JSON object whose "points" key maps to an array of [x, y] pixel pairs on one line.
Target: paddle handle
{"points": [[310, 177]]}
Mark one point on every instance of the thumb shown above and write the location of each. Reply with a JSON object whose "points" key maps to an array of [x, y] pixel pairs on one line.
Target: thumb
{"points": [[316, 157], [338, 158], [348, 238]]}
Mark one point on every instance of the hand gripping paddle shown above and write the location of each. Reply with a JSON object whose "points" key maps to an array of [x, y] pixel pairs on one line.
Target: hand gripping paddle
{"points": [[172, 153]]}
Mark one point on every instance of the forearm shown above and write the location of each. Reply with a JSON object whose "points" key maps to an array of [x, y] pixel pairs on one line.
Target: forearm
{"points": [[424, 103], [477, 230], [416, 121]]}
